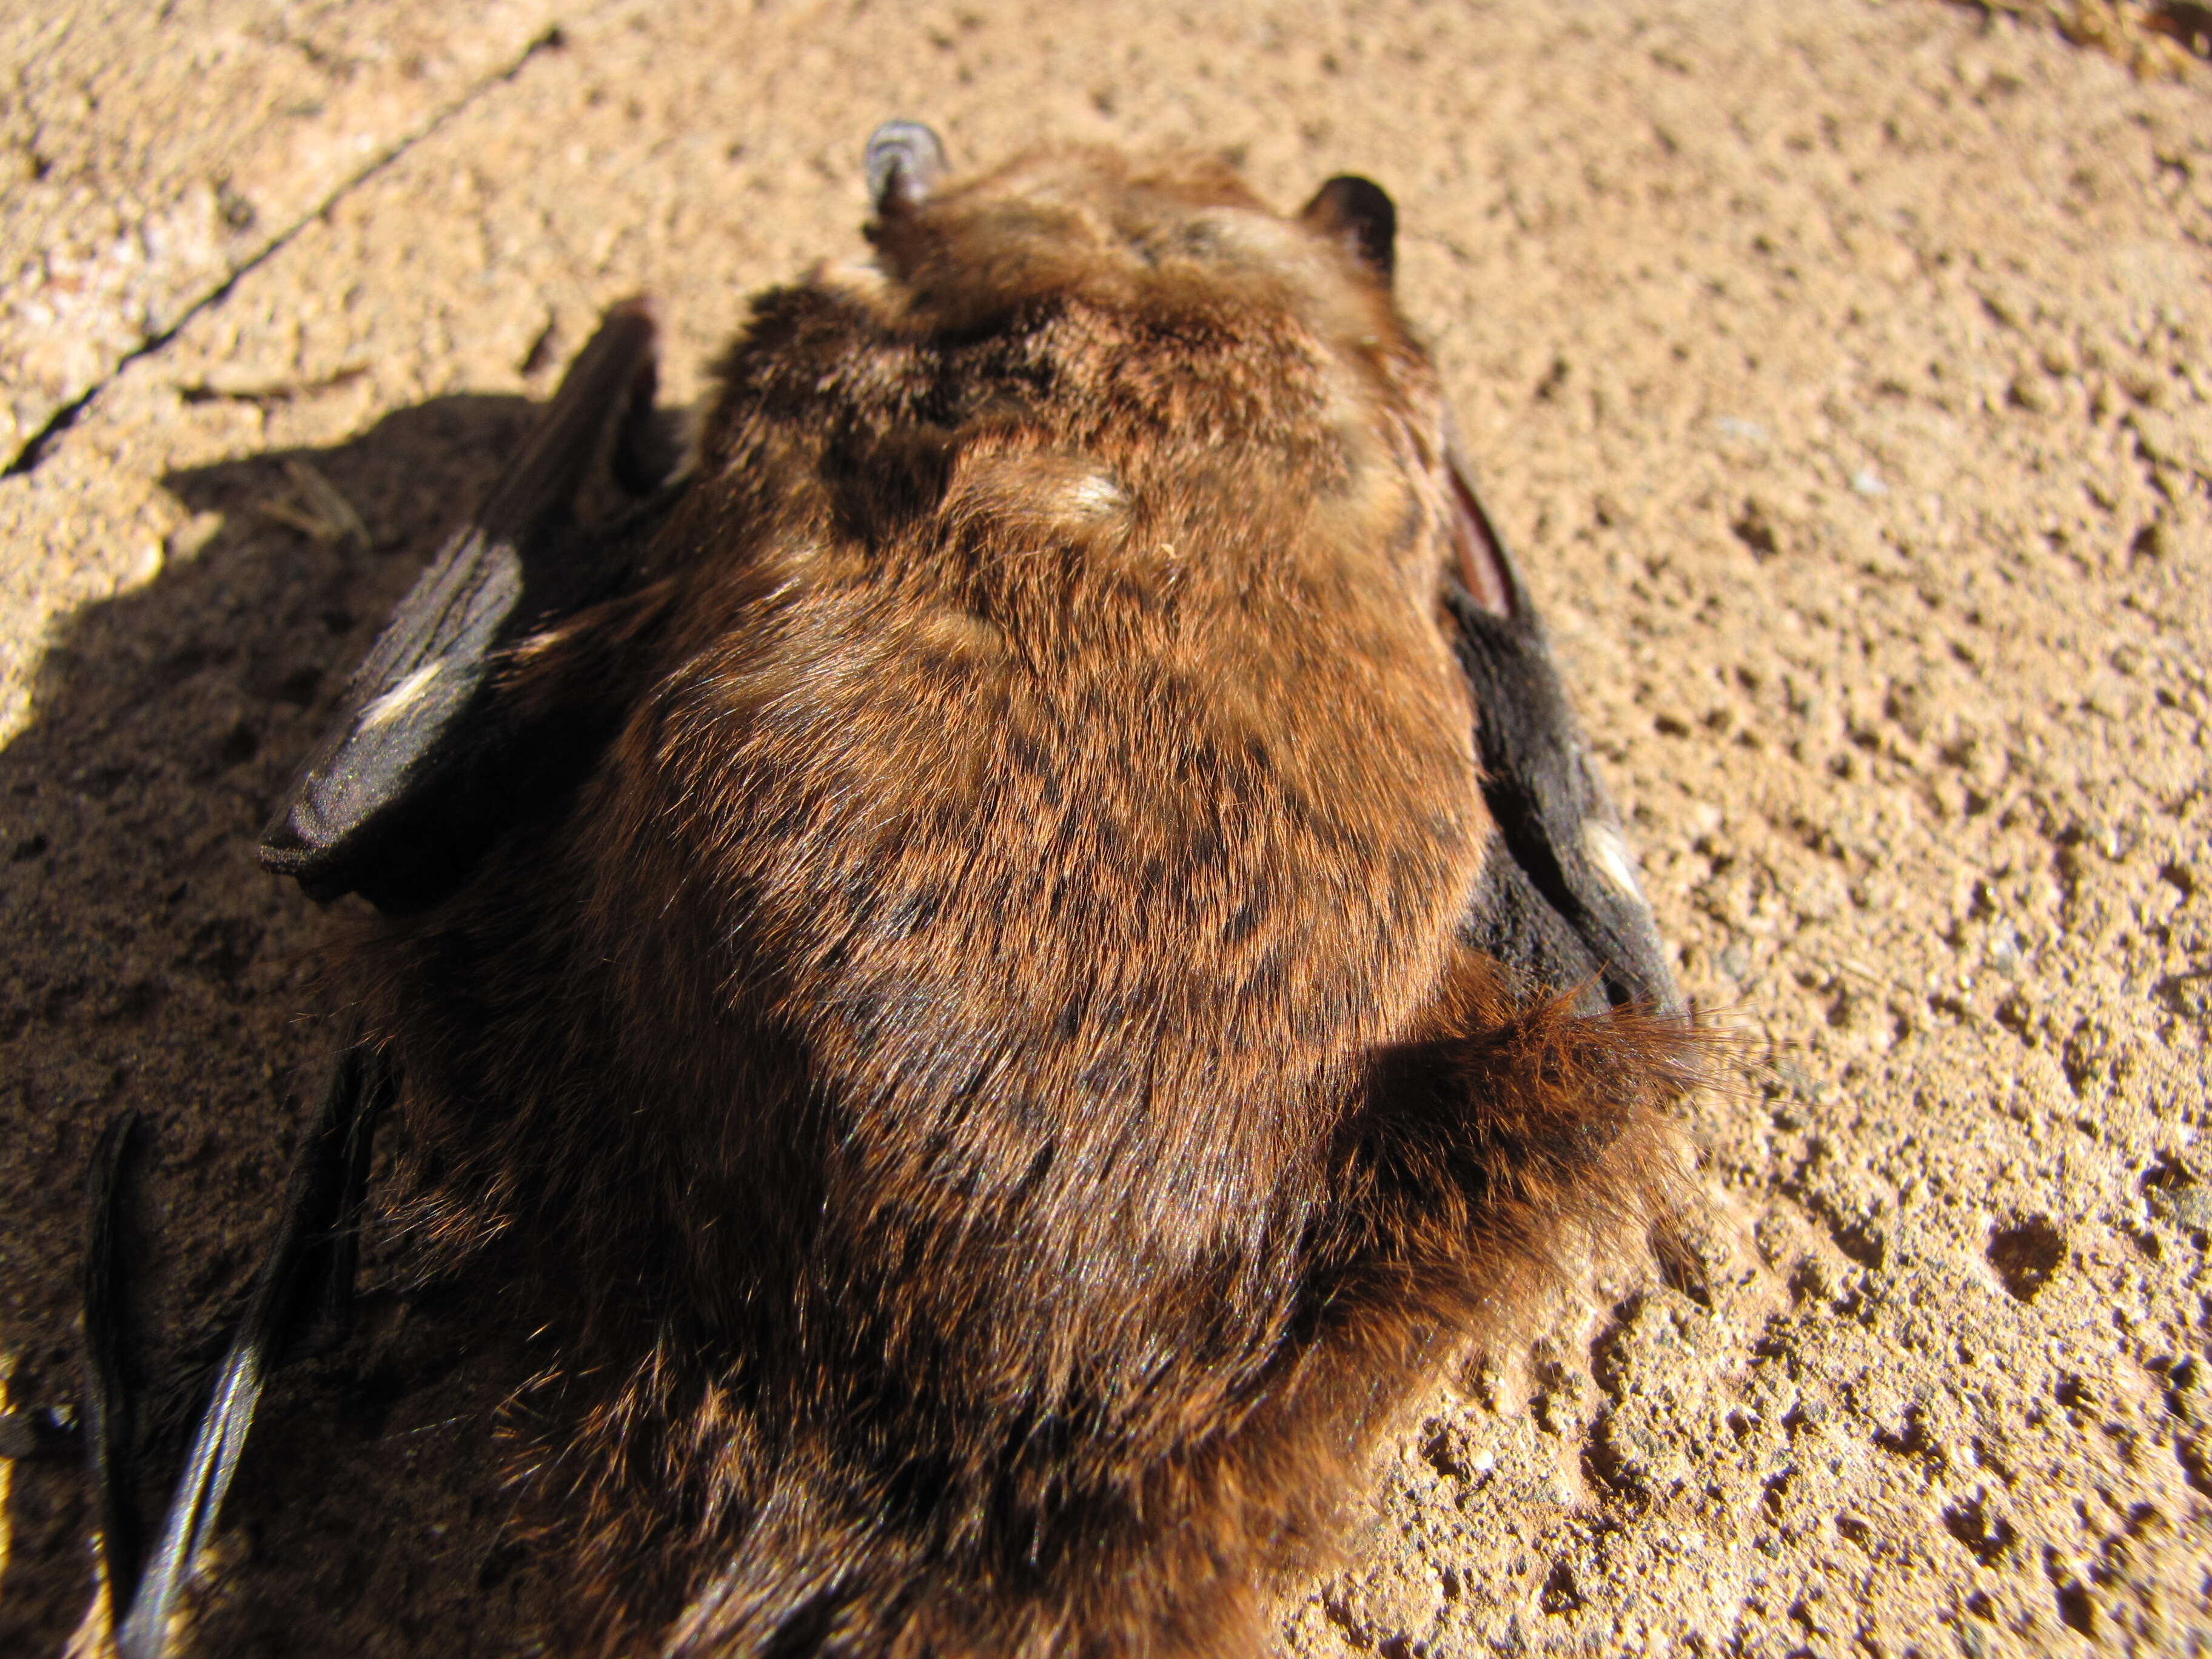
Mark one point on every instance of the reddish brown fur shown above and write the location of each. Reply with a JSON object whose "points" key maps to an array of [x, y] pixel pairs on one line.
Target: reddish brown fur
{"points": [[986, 1052]]}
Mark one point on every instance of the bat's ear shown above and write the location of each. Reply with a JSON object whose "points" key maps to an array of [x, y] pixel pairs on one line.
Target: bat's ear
{"points": [[1483, 570], [1360, 212], [905, 159]]}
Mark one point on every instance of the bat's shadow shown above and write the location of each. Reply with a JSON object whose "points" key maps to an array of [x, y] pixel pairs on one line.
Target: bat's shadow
{"points": [[149, 964]]}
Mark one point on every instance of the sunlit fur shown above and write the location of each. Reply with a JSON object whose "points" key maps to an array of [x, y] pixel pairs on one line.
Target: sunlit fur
{"points": [[985, 1054]]}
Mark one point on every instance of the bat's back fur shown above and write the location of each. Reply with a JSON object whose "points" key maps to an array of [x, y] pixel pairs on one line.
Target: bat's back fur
{"points": [[988, 1047]]}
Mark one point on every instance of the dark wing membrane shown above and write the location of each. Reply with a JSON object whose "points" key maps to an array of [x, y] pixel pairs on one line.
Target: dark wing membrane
{"points": [[397, 800], [1558, 901], [110, 1413], [307, 1274]]}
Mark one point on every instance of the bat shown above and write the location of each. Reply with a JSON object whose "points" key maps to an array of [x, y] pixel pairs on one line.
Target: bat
{"points": [[1025, 929]]}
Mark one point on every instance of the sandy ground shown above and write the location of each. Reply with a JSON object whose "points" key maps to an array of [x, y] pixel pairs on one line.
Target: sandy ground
{"points": [[1840, 370]]}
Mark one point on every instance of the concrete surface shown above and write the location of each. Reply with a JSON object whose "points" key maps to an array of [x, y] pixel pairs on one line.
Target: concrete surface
{"points": [[149, 154], [1840, 369]]}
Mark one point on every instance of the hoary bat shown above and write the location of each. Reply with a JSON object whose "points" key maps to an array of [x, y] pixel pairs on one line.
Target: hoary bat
{"points": [[1026, 933]]}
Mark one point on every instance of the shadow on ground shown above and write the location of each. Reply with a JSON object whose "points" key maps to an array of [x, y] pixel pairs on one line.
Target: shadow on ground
{"points": [[148, 963]]}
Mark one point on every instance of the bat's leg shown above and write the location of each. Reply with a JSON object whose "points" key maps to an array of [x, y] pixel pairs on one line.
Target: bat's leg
{"points": [[307, 1273], [109, 1408], [1513, 1137]]}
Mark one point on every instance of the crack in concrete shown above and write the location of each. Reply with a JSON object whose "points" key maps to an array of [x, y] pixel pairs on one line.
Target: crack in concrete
{"points": [[550, 38]]}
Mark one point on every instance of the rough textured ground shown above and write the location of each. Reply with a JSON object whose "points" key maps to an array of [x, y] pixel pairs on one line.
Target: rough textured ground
{"points": [[1841, 371]]}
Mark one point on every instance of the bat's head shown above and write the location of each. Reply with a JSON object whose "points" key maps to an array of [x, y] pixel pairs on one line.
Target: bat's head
{"points": [[1171, 236], [1181, 244]]}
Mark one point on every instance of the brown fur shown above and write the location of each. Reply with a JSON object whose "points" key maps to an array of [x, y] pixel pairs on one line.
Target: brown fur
{"points": [[986, 1054]]}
